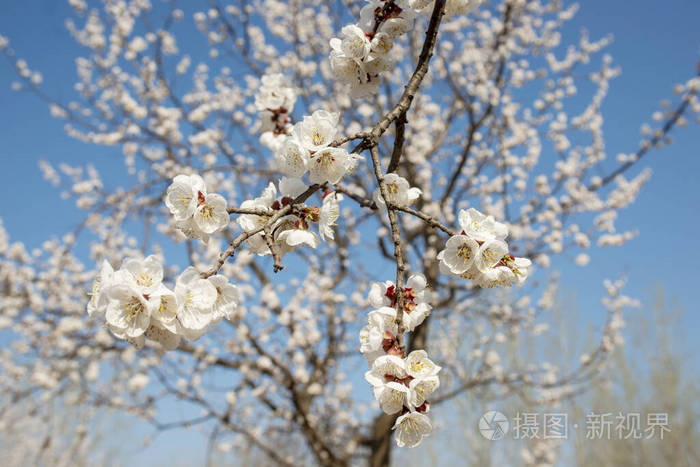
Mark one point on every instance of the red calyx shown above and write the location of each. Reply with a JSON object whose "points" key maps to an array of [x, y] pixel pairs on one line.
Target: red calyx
{"points": [[390, 345], [391, 294], [200, 198], [383, 13], [389, 341], [409, 297]]}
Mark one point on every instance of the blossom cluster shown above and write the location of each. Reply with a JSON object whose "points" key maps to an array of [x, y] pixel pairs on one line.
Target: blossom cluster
{"points": [[198, 214], [136, 304], [308, 149], [401, 383], [275, 101], [480, 253], [382, 297], [362, 53], [292, 229]]}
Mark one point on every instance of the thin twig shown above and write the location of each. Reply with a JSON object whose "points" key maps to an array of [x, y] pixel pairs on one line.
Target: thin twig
{"points": [[255, 212]]}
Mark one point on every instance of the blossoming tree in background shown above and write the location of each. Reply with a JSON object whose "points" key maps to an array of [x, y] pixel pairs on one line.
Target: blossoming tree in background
{"points": [[336, 180]]}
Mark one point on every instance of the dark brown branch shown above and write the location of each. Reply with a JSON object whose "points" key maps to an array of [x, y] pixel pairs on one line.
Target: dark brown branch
{"points": [[396, 153]]}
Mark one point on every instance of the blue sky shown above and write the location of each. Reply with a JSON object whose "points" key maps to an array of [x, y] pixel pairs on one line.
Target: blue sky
{"points": [[657, 44]]}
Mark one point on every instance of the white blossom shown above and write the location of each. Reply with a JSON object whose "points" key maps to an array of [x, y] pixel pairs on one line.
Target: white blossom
{"points": [[330, 212], [415, 300], [198, 214], [489, 254], [128, 312], [292, 232], [388, 317], [361, 55], [386, 365], [398, 191], [459, 254], [317, 131], [421, 388], [165, 313], [227, 297], [168, 340], [292, 157], [418, 365], [480, 227], [329, 165], [211, 214], [372, 337], [196, 298], [355, 43], [183, 195], [392, 396], [410, 428]]}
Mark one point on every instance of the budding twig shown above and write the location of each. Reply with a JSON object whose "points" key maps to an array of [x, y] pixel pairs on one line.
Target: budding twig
{"points": [[396, 238]]}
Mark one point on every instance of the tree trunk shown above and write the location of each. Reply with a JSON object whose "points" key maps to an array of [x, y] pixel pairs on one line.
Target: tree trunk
{"points": [[380, 446]]}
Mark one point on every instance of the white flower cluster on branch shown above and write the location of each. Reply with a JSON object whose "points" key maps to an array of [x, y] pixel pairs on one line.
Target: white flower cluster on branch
{"points": [[275, 101], [291, 230], [362, 54], [416, 298], [136, 304], [401, 383], [480, 253], [308, 149]]}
